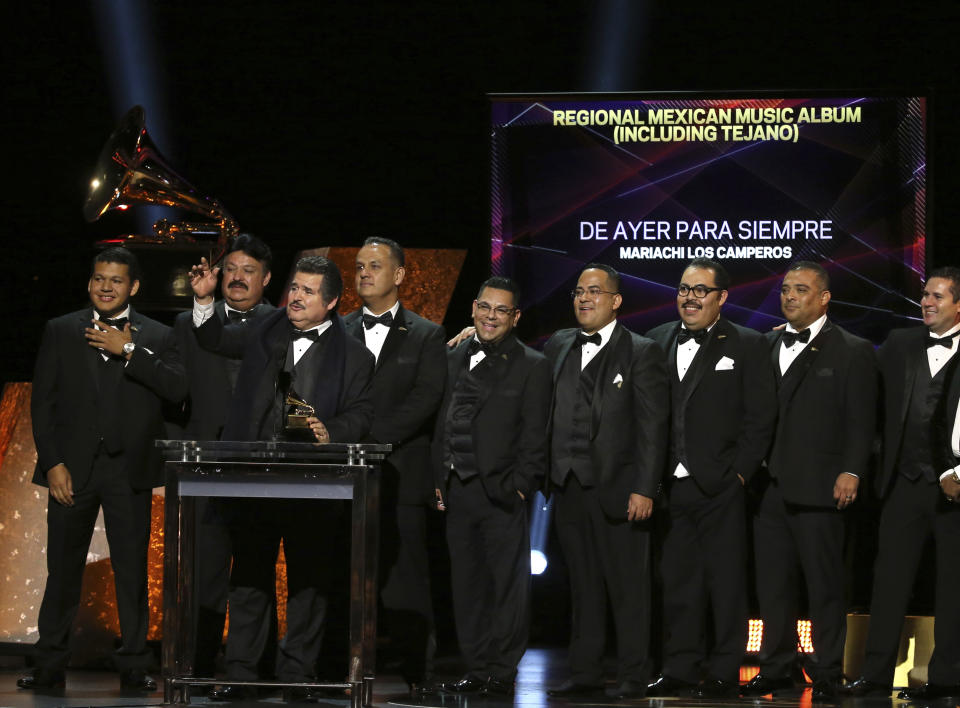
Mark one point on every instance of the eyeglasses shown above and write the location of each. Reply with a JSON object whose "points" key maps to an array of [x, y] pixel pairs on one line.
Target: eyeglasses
{"points": [[698, 290], [591, 293], [502, 312]]}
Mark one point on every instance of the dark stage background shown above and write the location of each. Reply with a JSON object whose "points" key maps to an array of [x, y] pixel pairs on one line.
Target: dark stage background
{"points": [[320, 123]]}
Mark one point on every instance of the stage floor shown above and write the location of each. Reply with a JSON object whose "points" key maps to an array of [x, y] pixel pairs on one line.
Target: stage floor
{"points": [[540, 669]]}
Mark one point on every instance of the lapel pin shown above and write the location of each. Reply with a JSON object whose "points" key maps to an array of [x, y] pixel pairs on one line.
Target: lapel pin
{"points": [[721, 336], [402, 329]]}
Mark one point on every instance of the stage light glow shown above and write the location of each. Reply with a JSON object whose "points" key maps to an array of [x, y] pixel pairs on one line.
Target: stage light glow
{"points": [[538, 562], [804, 636]]}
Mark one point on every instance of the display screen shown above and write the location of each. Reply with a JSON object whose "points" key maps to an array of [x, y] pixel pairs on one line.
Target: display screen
{"points": [[646, 183]]}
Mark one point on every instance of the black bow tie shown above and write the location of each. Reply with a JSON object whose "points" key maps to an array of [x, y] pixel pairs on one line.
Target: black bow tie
{"points": [[942, 341], [311, 334], [583, 338], [371, 321], [234, 316], [119, 322], [791, 338], [478, 346], [697, 335]]}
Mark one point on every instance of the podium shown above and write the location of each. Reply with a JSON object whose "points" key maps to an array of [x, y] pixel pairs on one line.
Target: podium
{"points": [[271, 470]]}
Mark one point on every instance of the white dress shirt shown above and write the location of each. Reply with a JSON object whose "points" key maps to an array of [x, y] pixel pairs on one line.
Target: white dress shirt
{"points": [[789, 354], [301, 344], [377, 335], [590, 350]]}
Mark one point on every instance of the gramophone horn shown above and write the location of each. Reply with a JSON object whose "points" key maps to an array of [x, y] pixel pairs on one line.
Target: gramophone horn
{"points": [[130, 170]]}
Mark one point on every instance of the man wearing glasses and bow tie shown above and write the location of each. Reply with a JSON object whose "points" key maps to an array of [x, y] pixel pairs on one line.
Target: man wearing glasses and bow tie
{"points": [[919, 488], [302, 349], [827, 391], [490, 453], [406, 390], [609, 434], [724, 408]]}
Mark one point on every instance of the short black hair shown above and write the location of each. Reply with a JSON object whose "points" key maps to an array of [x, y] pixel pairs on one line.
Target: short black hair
{"points": [[720, 275], [609, 270], [396, 251], [253, 247], [950, 273], [822, 276], [332, 285], [500, 282], [118, 254]]}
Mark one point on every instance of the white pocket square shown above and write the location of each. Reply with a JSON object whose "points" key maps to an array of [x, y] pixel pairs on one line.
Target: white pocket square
{"points": [[725, 364], [618, 380]]}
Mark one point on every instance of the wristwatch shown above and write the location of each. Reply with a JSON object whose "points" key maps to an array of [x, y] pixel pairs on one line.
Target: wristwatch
{"points": [[128, 348]]}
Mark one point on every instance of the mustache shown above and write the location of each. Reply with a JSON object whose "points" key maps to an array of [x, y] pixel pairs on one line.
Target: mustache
{"points": [[694, 303], [238, 284]]}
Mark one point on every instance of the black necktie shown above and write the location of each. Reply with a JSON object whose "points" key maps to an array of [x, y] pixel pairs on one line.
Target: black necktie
{"points": [[942, 341], [478, 346], [235, 316], [370, 321], [311, 334], [697, 335], [583, 338], [791, 338], [119, 322]]}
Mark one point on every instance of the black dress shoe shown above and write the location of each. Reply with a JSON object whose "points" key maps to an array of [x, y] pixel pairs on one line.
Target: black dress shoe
{"points": [[498, 687], [629, 689], [760, 685], [863, 688], [137, 681], [824, 690], [930, 691], [715, 688], [668, 686], [421, 690], [42, 681], [468, 684], [231, 693], [572, 689]]}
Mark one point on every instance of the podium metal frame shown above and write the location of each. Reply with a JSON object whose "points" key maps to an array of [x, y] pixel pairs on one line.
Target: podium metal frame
{"points": [[273, 470]]}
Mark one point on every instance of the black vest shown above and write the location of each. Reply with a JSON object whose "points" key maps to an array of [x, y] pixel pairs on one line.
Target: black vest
{"points": [[572, 411], [678, 391], [300, 377], [458, 451], [916, 448], [109, 406]]}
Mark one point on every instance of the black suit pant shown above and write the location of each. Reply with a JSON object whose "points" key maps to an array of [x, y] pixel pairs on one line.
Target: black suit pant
{"points": [[309, 532], [126, 515], [490, 579], [912, 512], [788, 538], [604, 557], [704, 562]]}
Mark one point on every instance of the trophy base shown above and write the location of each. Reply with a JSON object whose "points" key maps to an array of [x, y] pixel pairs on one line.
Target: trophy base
{"points": [[297, 422]]}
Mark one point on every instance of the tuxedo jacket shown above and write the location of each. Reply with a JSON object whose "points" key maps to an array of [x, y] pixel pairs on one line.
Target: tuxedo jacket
{"points": [[510, 421], [827, 414], [64, 399], [630, 415], [902, 357], [407, 387], [208, 381], [341, 395], [728, 408]]}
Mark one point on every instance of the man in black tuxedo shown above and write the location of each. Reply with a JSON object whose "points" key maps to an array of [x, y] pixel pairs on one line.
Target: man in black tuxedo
{"points": [[101, 373], [212, 379], [610, 424], [303, 349], [406, 390], [827, 389], [724, 410], [490, 453], [919, 489]]}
